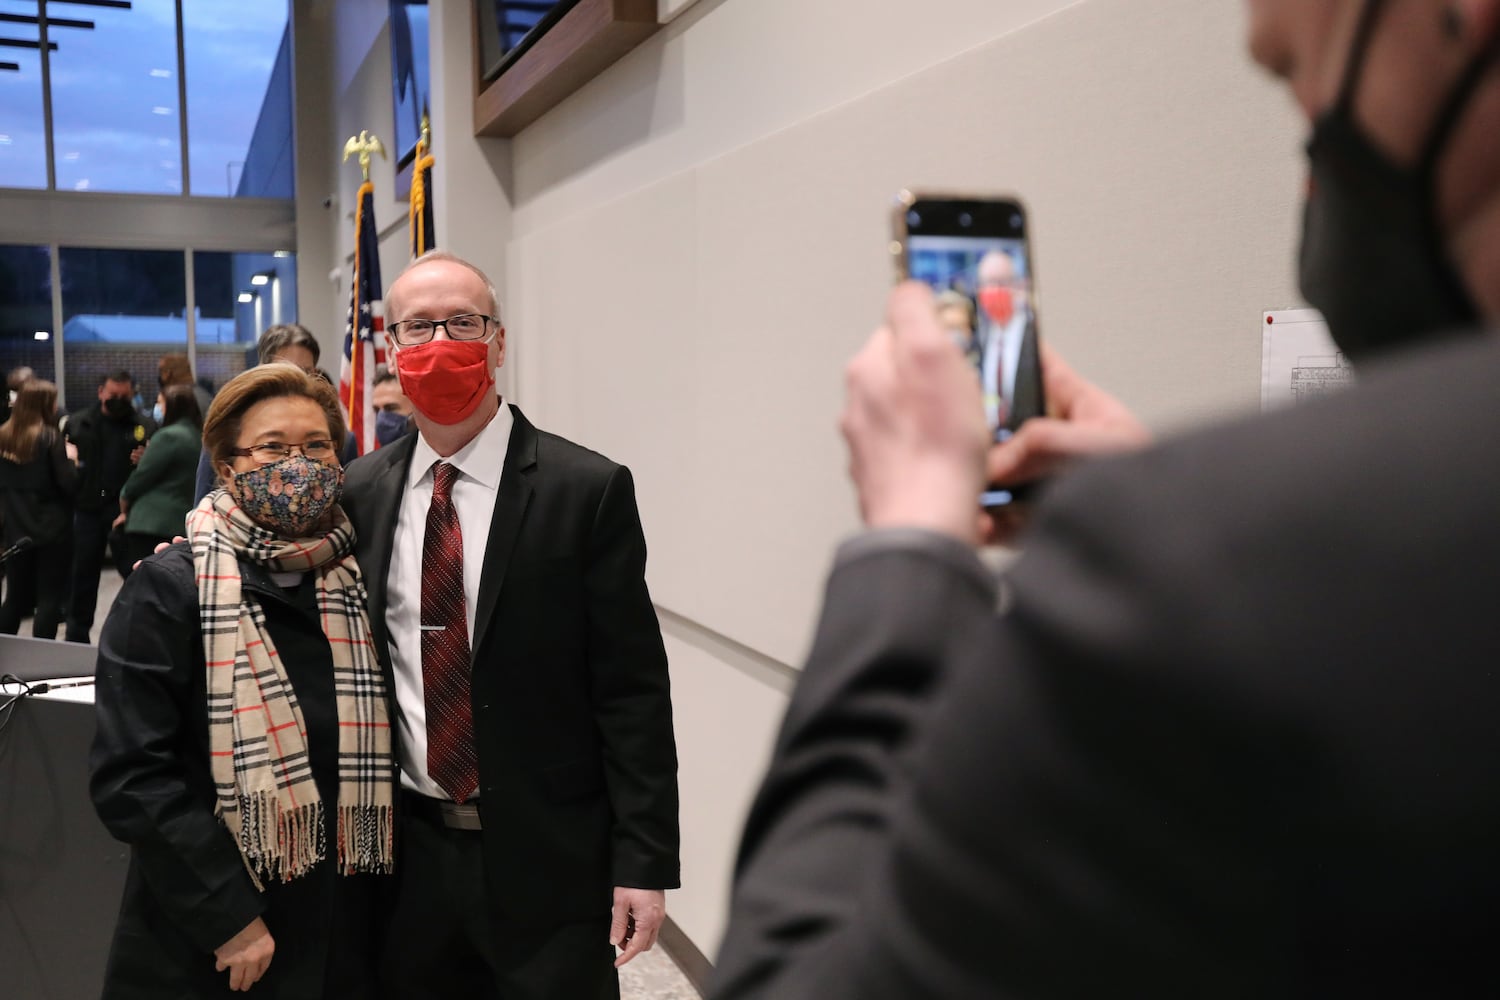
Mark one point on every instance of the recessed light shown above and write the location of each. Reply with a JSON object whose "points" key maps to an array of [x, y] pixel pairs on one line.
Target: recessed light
{"points": [[42, 335], [260, 279], [247, 296]]}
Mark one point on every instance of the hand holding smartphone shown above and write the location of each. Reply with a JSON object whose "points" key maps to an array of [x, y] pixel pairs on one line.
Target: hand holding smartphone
{"points": [[974, 253]]}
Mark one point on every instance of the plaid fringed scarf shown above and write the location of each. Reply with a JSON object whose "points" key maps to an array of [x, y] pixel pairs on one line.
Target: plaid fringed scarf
{"points": [[257, 739]]}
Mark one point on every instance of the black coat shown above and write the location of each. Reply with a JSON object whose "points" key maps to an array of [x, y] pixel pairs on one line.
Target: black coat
{"points": [[36, 499], [1234, 734], [187, 890], [571, 702]]}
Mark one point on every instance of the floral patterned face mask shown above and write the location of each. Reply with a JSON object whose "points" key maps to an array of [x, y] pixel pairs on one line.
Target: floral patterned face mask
{"points": [[291, 496]]}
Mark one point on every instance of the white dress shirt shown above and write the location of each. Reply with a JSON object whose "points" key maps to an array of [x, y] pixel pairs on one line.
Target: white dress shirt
{"points": [[479, 465]]}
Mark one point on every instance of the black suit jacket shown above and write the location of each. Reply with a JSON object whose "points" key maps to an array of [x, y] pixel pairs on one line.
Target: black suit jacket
{"points": [[571, 702], [1234, 733]]}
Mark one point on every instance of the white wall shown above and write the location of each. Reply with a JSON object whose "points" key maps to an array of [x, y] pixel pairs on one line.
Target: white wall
{"points": [[694, 244]]}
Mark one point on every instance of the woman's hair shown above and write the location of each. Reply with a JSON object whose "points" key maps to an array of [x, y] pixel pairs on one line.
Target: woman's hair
{"points": [[33, 410], [174, 368], [221, 428], [180, 402], [283, 335]]}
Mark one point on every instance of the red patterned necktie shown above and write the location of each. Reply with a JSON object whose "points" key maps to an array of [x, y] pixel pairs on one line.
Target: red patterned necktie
{"points": [[452, 761]]}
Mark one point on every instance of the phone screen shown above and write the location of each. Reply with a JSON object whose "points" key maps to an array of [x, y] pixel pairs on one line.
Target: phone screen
{"points": [[975, 255]]}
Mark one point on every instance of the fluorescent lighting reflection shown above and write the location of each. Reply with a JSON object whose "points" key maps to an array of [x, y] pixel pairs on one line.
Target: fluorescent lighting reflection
{"points": [[247, 296]]}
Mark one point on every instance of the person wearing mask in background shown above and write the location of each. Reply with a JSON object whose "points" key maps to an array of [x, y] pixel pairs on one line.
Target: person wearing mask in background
{"points": [[289, 342], [534, 718], [392, 408], [110, 437], [1007, 343], [38, 484], [158, 496], [1232, 732], [256, 793], [174, 369]]}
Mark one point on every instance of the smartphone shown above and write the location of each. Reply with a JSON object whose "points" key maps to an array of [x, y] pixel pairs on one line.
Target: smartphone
{"points": [[974, 252]]}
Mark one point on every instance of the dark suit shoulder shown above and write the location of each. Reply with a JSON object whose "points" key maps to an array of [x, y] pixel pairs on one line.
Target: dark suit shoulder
{"points": [[367, 468], [1282, 535]]}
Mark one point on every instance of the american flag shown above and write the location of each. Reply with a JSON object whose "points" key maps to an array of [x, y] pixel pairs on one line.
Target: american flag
{"points": [[364, 337]]}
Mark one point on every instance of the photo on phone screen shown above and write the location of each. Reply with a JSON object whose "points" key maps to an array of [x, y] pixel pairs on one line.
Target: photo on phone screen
{"points": [[974, 254]]}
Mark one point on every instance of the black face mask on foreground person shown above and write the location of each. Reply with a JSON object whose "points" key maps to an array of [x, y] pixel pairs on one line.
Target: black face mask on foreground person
{"points": [[1374, 259]]}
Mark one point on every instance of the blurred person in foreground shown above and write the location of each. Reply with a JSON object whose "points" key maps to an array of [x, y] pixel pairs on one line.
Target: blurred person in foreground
{"points": [[243, 749], [156, 498], [38, 483], [1232, 729]]}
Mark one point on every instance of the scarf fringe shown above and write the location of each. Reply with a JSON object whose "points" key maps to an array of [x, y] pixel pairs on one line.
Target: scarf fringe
{"points": [[279, 844], [366, 839]]}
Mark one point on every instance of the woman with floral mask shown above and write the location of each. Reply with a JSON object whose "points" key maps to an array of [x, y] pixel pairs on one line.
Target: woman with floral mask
{"points": [[243, 748]]}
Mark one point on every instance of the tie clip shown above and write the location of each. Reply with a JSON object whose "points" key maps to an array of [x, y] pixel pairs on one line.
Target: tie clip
{"points": [[433, 628]]}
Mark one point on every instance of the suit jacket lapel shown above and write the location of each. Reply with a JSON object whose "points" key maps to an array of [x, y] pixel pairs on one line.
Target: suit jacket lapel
{"points": [[510, 510], [384, 509]]}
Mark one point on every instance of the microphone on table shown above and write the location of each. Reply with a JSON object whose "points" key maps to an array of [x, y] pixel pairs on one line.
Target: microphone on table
{"points": [[22, 544]]}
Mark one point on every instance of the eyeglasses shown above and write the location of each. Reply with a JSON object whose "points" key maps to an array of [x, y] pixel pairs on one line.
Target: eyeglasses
{"points": [[318, 449], [469, 326]]}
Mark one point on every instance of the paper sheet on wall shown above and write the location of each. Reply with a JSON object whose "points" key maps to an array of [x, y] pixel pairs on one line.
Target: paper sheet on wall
{"points": [[1299, 360]]}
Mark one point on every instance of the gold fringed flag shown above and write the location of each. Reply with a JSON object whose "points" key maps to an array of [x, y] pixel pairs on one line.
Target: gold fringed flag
{"points": [[419, 216]]}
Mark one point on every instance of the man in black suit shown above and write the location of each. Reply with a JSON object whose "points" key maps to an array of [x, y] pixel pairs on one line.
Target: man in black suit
{"points": [[1008, 371], [1232, 730], [505, 569]]}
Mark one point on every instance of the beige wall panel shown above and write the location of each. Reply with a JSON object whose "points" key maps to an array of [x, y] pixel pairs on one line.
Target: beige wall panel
{"points": [[726, 721], [728, 72]]}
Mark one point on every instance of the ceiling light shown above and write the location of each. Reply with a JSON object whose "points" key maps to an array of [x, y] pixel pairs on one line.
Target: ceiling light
{"points": [[161, 74], [247, 296], [82, 185], [41, 335], [282, 253], [4, 140], [260, 279], [159, 110], [72, 156]]}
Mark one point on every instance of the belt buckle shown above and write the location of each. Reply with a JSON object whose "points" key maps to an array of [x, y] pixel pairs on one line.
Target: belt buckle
{"points": [[459, 816]]}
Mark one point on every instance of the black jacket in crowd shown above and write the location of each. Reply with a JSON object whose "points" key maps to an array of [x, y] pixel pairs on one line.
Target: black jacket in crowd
{"points": [[36, 498], [93, 433]]}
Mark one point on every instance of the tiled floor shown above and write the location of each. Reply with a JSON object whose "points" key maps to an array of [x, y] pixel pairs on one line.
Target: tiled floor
{"points": [[652, 976]]}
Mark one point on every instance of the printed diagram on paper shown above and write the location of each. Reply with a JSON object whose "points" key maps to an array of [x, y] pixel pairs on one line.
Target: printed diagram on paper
{"points": [[1299, 360]]}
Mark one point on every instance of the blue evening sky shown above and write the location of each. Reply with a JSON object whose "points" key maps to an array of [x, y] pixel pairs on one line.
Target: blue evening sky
{"points": [[115, 101]]}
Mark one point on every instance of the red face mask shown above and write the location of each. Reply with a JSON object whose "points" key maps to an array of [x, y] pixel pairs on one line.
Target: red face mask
{"points": [[999, 304], [446, 380]]}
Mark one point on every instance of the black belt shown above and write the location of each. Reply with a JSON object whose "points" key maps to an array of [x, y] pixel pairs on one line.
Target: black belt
{"points": [[453, 815]]}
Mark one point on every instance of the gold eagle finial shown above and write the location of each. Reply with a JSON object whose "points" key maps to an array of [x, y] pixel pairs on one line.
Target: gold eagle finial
{"points": [[363, 145]]}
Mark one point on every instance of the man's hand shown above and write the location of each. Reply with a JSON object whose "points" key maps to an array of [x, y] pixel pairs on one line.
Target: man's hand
{"points": [[636, 921], [72, 451], [247, 955], [136, 453], [914, 421], [1082, 420], [119, 520]]}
